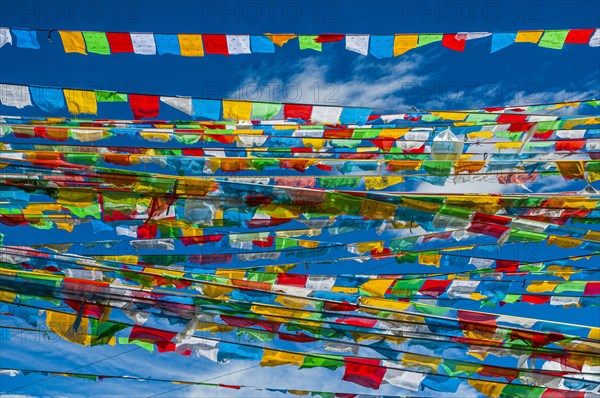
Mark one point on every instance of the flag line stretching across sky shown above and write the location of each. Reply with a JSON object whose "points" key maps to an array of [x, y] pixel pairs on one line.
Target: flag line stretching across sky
{"points": [[199, 45]]}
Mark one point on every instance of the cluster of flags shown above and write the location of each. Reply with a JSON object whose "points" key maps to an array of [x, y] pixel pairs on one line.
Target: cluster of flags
{"points": [[198, 227], [199, 45]]}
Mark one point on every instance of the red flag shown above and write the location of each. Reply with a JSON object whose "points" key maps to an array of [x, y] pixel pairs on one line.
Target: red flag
{"points": [[517, 127], [291, 111], [264, 243], [329, 38], [592, 289], [507, 265], [117, 158], [361, 322], [511, 118], [454, 42], [529, 298], [269, 326], [144, 106], [191, 240], [210, 258], [147, 231], [297, 337], [537, 339], [338, 133], [384, 144], [434, 288], [264, 223], [364, 372], [298, 280], [160, 338], [477, 321], [119, 42], [544, 135], [554, 393], [579, 36], [495, 371], [491, 230], [570, 145], [491, 219], [343, 306], [301, 150], [215, 44]]}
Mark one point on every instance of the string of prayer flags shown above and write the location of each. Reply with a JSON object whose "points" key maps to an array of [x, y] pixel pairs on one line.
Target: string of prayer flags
{"points": [[379, 46]]}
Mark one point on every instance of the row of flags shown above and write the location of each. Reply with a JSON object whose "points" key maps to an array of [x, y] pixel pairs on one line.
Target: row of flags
{"points": [[144, 106], [199, 45]]}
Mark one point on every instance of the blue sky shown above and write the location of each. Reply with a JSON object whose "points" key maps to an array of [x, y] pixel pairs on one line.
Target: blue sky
{"points": [[428, 78]]}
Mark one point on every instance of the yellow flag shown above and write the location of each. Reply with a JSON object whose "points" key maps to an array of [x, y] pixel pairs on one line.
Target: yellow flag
{"points": [[62, 324], [563, 241], [344, 289], [542, 287], [377, 287], [282, 268], [316, 143], [377, 210], [280, 314], [81, 101], [479, 355], [308, 243], [385, 304], [430, 259], [155, 136], [7, 297], [572, 203], [292, 302], [237, 110], [470, 166], [121, 259], [299, 393], [277, 314], [404, 43], [404, 165], [38, 208], [72, 42], [562, 272], [382, 182], [231, 273], [416, 361], [393, 133], [280, 211], [364, 247], [80, 197], [450, 115], [64, 225], [571, 170], [508, 145], [280, 40], [529, 36], [214, 328], [191, 45], [214, 291], [487, 388], [482, 135], [276, 358], [162, 272], [593, 236]]}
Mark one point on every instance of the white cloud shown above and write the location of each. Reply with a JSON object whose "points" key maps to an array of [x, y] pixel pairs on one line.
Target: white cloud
{"points": [[376, 85], [398, 83]]}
